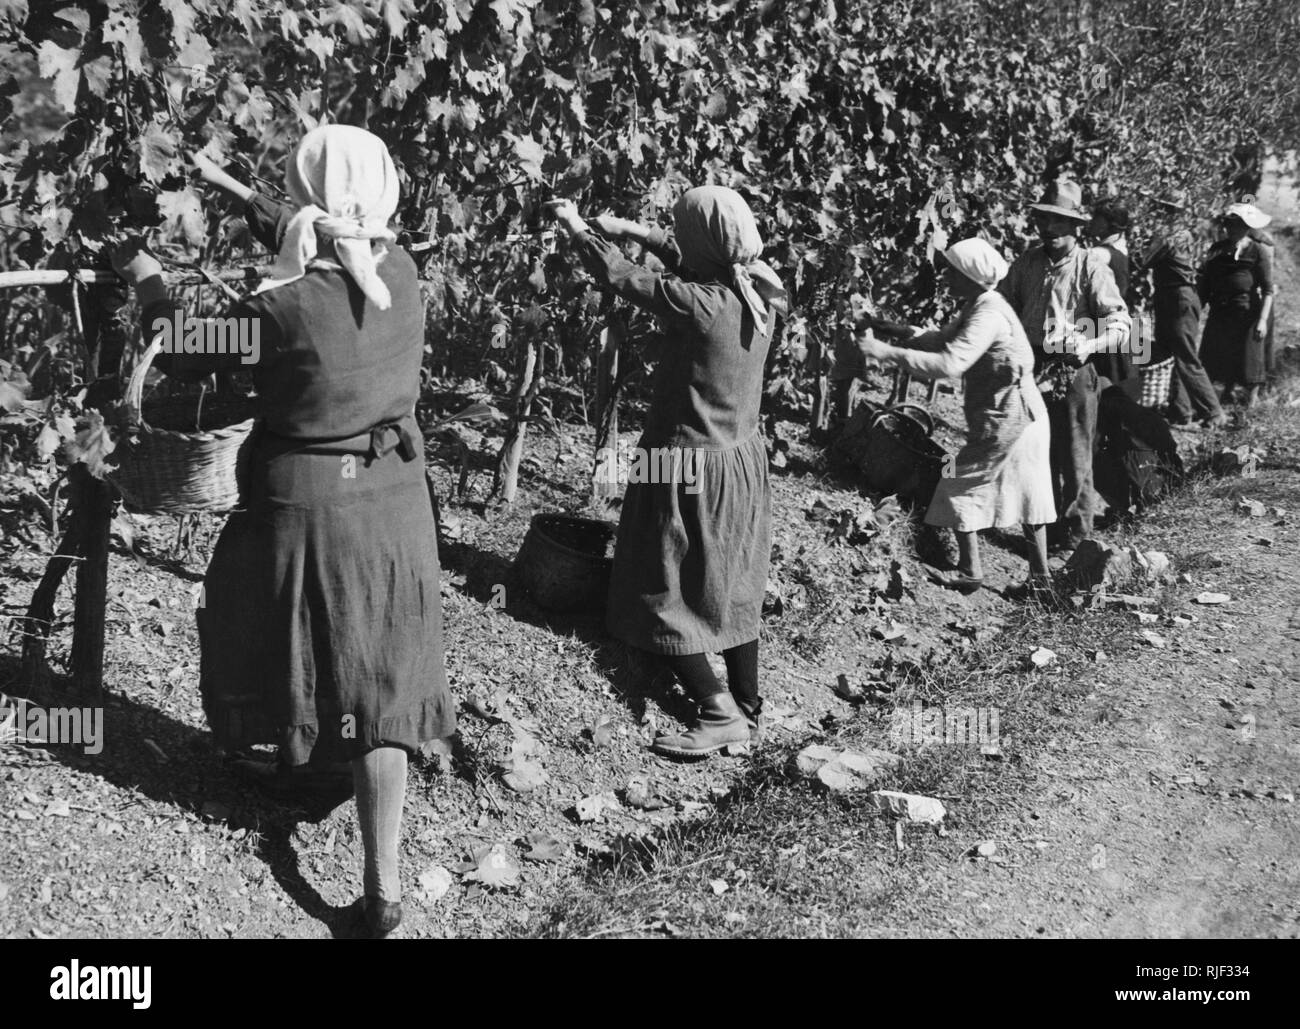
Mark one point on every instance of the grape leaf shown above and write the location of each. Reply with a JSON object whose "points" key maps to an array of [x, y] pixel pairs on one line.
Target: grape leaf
{"points": [[182, 212], [14, 10], [92, 445], [60, 66], [47, 442], [320, 45], [12, 393], [352, 19], [529, 154], [121, 28], [159, 156], [98, 75], [183, 19], [197, 53], [492, 866], [396, 13]]}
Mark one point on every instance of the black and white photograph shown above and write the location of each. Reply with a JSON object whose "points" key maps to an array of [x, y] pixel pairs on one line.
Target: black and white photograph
{"points": [[651, 469]]}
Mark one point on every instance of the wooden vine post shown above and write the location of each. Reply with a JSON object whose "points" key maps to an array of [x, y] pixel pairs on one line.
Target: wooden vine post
{"points": [[506, 483], [604, 481], [105, 336], [101, 328]]}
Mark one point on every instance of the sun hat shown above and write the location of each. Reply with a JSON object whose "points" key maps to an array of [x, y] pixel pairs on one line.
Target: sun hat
{"points": [[1063, 197], [1248, 213]]}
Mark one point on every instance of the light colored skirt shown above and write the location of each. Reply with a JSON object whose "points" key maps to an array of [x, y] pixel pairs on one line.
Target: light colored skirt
{"points": [[1018, 491]]}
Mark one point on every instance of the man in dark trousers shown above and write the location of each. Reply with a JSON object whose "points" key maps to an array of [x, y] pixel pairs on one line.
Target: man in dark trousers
{"points": [[1070, 307], [1171, 262]]}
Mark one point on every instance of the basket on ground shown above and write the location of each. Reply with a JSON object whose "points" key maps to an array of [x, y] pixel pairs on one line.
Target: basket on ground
{"points": [[564, 563], [891, 448]]}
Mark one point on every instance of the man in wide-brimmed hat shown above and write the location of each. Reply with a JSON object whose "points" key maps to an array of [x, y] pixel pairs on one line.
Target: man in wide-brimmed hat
{"points": [[1070, 306]]}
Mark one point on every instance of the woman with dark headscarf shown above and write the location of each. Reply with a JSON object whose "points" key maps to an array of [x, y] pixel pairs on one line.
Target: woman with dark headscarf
{"points": [[1236, 281], [691, 558], [321, 628]]}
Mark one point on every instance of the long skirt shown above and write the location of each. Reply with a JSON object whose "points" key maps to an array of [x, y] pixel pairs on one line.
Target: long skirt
{"points": [[997, 487], [1230, 351], [691, 556], [321, 624]]}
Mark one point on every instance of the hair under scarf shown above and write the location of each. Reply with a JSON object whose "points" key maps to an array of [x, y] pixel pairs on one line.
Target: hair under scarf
{"points": [[717, 235], [345, 185], [978, 261]]}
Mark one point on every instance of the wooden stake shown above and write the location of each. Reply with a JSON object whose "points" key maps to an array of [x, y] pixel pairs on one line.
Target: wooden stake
{"points": [[512, 450], [604, 482]]}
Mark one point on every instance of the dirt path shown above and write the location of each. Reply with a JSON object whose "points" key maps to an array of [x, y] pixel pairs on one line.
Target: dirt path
{"points": [[1167, 809]]}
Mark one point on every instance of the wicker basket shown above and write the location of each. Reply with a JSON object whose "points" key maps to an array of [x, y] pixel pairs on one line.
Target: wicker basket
{"points": [[162, 471], [563, 563], [901, 457], [891, 448]]}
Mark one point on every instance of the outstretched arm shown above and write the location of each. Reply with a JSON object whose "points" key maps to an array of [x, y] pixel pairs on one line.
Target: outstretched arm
{"points": [[654, 239], [267, 219], [663, 295], [957, 346], [141, 269]]}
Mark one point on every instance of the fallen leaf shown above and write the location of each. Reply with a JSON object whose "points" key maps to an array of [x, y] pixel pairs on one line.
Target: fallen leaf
{"points": [[591, 808], [718, 886], [58, 809], [435, 881], [543, 846], [640, 795], [1156, 641], [1042, 657], [493, 867]]}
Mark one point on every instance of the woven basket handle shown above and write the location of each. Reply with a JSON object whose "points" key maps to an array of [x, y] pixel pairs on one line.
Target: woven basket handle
{"points": [[925, 421], [135, 385]]}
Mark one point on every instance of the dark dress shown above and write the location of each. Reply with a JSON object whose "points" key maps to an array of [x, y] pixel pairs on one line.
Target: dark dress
{"points": [[321, 625], [1233, 282], [691, 556]]}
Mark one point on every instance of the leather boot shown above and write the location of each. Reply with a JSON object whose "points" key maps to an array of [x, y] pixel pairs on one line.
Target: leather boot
{"points": [[753, 718], [720, 724]]}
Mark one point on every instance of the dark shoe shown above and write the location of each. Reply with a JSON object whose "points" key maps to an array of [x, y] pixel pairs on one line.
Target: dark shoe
{"points": [[721, 724], [374, 919], [1036, 588], [1066, 544], [954, 580], [297, 782], [754, 718]]}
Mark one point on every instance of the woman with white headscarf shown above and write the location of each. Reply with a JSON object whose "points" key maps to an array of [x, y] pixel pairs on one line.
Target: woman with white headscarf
{"points": [[320, 625], [1001, 477], [691, 557]]}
